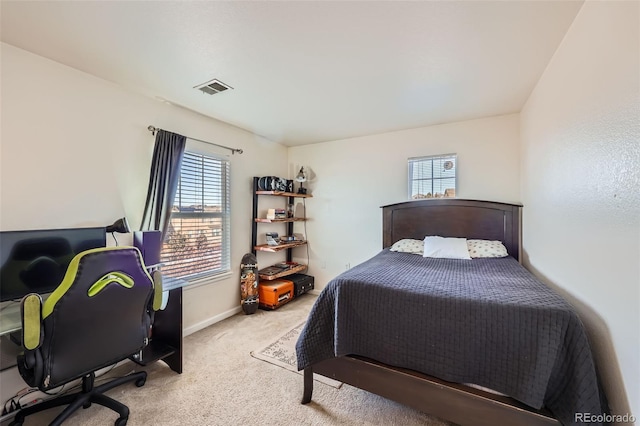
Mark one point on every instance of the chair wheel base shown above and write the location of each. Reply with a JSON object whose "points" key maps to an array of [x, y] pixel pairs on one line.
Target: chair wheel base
{"points": [[122, 421]]}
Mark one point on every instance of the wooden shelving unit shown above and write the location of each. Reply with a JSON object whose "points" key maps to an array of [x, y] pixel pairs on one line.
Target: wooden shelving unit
{"points": [[279, 247], [290, 219], [282, 194], [284, 273], [287, 246]]}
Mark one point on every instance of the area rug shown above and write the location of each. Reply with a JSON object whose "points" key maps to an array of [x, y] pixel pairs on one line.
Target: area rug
{"points": [[282, 352]]}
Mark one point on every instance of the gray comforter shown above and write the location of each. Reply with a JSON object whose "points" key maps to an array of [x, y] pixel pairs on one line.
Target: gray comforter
{"points": [[483, 321]]}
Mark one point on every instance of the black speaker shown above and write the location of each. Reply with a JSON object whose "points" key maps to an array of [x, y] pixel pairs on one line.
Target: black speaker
{"points": [[149, 243]]}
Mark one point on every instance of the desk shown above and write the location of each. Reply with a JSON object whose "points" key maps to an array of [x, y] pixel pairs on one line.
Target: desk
{"points": [[165, 344], [166, 335], [9, 323], [10, 320], [9, 317]]}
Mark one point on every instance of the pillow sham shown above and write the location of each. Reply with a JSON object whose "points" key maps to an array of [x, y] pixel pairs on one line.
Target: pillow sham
{"points": [[408, 246], [486, 248], [446, 248]]}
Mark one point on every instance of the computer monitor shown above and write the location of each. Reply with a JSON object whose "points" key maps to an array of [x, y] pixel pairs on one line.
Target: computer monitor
{"points": [[36, 261]]}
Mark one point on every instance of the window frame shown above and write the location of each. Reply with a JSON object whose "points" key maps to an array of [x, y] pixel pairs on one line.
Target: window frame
{"points": [[224, 215], [432, 158]]}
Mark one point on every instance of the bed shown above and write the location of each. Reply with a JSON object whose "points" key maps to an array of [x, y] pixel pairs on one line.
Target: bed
{"points": [[419, 331]]}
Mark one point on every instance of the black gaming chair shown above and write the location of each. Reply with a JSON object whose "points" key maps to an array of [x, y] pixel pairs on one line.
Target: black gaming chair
{"points": [[99, 315]]}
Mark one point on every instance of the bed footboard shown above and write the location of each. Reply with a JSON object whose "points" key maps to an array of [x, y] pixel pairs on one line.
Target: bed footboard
{"points": [[449, 401]]}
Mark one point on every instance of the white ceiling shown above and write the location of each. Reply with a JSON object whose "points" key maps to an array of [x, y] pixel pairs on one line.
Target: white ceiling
{"points": [[306, 72]]}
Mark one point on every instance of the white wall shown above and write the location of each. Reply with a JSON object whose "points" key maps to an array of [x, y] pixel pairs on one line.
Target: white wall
{"points": [[76, 152], [352, 178], [581, 185]]}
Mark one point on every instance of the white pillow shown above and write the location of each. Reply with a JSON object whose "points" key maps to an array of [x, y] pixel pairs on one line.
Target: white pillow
{"points": [[408, 246], [486, 248], [447, 248]]}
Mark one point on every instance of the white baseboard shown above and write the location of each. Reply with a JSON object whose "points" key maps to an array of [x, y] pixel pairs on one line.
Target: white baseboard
{"points": [[210, 321], [231, 312]]}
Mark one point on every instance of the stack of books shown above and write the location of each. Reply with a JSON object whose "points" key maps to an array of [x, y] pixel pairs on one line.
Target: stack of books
{"points": [[276, 214]]}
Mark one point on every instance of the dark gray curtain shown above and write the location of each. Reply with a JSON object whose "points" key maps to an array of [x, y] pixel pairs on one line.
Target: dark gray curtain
{"points": [[163, 181]]}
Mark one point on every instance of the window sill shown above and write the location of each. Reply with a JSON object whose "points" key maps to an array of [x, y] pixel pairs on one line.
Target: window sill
{"points": [[199, 282]]}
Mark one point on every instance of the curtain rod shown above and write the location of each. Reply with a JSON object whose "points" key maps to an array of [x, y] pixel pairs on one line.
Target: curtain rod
{"points": [[154, 129]]}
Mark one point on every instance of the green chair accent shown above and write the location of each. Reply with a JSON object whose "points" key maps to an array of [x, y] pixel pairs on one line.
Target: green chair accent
{"points": [[113, 277], [157, 290], [31, 311], [100, 314]]}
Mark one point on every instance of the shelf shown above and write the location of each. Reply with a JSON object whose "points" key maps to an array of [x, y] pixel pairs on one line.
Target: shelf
{"points": [[284, 273], [155, 351], [279, 247], [285, 246], [289, 219], [284, 194]]}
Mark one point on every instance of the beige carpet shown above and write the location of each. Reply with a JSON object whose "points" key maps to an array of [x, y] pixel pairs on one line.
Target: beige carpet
{"points": [[222, 384]]}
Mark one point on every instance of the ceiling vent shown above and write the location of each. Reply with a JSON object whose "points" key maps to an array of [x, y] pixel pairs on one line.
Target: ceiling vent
{"points": [[212, 87]]}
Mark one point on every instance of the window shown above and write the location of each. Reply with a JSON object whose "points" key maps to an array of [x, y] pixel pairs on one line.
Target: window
{"points": [[433, 176], [197, 241]]}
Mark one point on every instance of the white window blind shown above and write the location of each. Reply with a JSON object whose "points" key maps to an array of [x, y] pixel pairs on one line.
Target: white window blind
{"points": [[198, 241], [433, 176]]}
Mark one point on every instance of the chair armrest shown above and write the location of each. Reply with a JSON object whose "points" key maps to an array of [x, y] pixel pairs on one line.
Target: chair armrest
{"points": [[30, 363], [31, 318], [157, 290]]}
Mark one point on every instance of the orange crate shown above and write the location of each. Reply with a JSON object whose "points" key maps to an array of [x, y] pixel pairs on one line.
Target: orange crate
{"points": [[275, 293]]}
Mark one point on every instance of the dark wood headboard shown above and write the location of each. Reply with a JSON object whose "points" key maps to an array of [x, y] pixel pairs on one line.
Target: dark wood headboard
{"points": [[453, 217]]}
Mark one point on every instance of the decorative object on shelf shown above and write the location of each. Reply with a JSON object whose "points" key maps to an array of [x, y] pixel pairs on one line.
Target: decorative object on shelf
{"points": [[276, 214], [272, 238], [278, 268], [286, 265], [121, 226], [275, 293], [270, 271], [301, 177], [272, 183], [302, 283]]}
